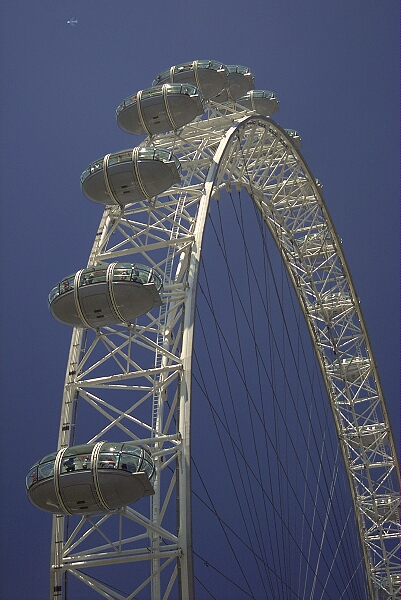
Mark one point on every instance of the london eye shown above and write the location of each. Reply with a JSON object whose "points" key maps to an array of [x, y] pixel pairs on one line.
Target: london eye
{"points": [[297, 434]]}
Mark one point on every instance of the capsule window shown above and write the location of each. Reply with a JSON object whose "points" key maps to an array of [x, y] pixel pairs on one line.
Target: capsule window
{"points": [[75, 463], [130, 462], [32, 477], [108, 460], [148, 466], [46, 470]]}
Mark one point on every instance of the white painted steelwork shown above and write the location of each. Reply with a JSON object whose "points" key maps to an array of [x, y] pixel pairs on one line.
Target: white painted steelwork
{"points": [[146, 395]]}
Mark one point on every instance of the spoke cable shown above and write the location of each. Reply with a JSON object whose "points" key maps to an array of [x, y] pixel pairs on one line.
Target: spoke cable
{"points": [[252, 328]]}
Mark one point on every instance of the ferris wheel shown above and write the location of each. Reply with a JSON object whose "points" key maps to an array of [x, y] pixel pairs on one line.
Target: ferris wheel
{"points": [[120, 485]]}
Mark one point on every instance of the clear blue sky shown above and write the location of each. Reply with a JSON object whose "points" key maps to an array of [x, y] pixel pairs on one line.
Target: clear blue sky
{"points": [[333, 65]]}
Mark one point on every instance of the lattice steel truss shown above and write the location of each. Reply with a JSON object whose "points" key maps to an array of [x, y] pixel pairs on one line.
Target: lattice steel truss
{"points": [[137, 378]]}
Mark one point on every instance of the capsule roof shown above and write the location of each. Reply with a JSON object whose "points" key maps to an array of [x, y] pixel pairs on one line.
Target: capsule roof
{"points": [[208, 75], [130, 175], [160, 109], [240, 81], [261, 101]]}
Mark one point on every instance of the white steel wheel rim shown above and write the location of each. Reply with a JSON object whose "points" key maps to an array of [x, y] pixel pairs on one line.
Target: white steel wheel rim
{"points": [[244, 167]]}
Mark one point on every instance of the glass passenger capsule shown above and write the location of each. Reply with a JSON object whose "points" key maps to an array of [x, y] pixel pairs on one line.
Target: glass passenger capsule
{"points": [[393, 583], [130, 175], [292, 192], [382, 508], [160, 109], [296, 138], [209, 76], [91, 478], [350, 369], [263, 102], [368, 436], [333, 304], [316, 244], [240, 82], [105, 295]]}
